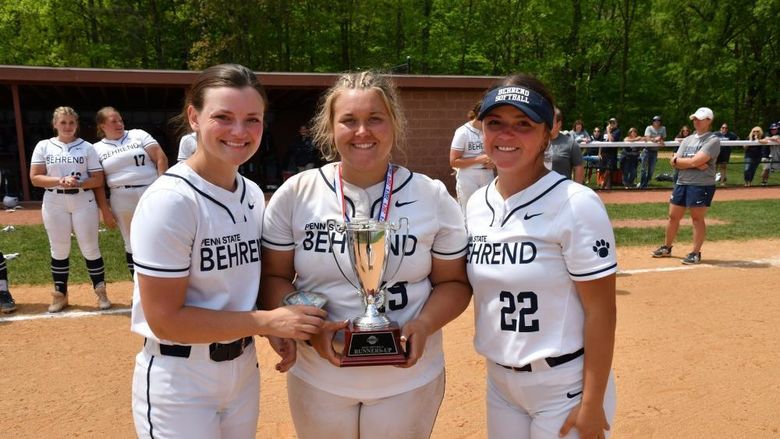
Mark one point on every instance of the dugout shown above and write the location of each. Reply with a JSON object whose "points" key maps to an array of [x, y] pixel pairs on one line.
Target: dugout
{"points": [[148, 99]]}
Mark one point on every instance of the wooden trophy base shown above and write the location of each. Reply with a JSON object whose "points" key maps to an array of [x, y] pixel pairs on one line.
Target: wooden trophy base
{"points": [[372, 347]]}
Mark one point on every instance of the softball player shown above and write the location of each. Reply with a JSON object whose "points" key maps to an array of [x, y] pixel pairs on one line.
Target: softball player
{"points": [[131, 161], [467, 156], [542, 263], [196, 241], [7, 304], [69, 169], [187, 145], [362, 120]]}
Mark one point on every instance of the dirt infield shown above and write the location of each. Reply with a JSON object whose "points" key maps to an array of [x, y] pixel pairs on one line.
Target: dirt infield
{"points": [[696, 355]]}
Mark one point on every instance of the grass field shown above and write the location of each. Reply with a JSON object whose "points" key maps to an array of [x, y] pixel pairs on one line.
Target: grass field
{"points": [[742, 220]]}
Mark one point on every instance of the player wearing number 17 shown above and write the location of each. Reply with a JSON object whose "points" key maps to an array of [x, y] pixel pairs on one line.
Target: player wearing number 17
{"points": [[131, 160], [542, 263]]}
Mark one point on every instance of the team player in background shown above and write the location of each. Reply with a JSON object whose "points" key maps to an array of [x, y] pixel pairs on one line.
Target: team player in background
{"points": [[360, 122], [542, 261], [473, 168], [187, 145], [131, 161], [69, 169], [7, 304], [196, 242]]}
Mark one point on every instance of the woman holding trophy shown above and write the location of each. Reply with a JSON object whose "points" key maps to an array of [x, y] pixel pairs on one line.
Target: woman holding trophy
{"points": [[308, 246], [542, 262]]}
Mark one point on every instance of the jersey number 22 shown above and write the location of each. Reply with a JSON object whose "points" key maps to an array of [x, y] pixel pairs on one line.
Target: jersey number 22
{"points": [[523, 322]]}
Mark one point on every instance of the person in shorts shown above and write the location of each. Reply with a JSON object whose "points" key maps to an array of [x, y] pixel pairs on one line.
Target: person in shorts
{"points": [[695, 162]]}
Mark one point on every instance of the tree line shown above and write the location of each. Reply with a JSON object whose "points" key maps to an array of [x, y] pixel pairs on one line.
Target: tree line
{"points": [[630, 59]]}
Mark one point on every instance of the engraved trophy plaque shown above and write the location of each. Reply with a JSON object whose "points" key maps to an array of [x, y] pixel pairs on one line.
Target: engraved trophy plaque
{"points": [[371, 339]]}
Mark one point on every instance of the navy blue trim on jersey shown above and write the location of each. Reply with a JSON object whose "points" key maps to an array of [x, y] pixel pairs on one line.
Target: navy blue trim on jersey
{"points": [[276, 243], [165, 270], [554, 185], [333, 189], [205, 195], [594, 272], [148, 399], [401, 186], [487, 203], [450, 253], [73, 146]]}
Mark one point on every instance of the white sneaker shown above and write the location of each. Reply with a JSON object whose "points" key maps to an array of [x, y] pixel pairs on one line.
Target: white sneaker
{"points": [[717, 176], [102, 297], [59, 301]]}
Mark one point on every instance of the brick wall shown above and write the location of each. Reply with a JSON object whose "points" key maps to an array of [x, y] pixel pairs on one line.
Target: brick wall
{"points": [[432, 116]]}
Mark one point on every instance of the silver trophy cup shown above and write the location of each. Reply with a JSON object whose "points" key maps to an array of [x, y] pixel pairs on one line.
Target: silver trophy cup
{"points": [[368, 246]]}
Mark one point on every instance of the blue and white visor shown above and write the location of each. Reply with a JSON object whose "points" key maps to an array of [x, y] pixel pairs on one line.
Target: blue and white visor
{"points": [[531, 103]]}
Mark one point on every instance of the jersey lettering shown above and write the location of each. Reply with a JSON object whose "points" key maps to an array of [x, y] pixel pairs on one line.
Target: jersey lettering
{"points": [[140, 159], [407, 251], [500, 253], [399, 289], [317, 241], [527, 300], [58, 159], [228, 255]]}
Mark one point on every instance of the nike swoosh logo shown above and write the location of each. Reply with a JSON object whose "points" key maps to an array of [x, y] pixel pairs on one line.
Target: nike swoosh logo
{"points": [[399, 204], [527, 216], [251, 206], [572, 395]]}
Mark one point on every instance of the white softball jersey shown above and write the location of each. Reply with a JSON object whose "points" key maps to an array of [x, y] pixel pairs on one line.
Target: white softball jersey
{"points": [[468, 140], [187, 146], [77, 158], [126, 161], [296, 220], [525, 253], [185, 226]]}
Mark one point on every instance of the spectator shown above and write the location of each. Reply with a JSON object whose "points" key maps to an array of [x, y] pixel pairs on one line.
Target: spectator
{"points": [[591, 156], [629, 159], [725, 153], [753, 155], [656, 133], [563, 154], [695, 158], [772, 158], [302, 150], [609, 154], [683, 133], [579, 133], [473, 168]]}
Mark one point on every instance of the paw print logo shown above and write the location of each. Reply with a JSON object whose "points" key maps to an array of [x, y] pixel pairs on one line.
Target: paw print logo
{"points": [[601, 248]]}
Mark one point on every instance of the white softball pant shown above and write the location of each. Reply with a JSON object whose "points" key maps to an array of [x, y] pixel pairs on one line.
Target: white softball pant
{"points": [[195, 397], [534, 405], [123, 203], [63, 213], [318, 414], [468, 180]]}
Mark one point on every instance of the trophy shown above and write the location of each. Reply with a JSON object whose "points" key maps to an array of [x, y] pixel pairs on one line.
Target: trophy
{"points": [[371, 339]]}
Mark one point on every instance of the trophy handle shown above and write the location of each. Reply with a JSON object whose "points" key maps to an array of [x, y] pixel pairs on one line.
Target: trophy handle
{"points": [[339, 228], [403, 226]]}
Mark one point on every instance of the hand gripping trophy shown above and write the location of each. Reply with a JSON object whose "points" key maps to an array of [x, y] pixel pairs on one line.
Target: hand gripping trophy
{"points": [[372, 338]]}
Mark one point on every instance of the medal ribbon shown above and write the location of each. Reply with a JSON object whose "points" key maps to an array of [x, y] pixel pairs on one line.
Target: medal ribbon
{"points": [[387, 193]]}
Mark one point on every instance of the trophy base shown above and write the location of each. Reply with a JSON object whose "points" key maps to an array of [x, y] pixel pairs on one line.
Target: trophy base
{"points": [[372, 347]]}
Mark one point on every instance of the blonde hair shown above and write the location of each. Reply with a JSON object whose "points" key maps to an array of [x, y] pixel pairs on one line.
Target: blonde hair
{"points": [[100, 119], [758, 130], [63, 111], [323, 123]]}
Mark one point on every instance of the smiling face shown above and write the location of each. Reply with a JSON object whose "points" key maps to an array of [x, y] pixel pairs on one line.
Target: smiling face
{"points": [[513, 141], [362, 132], [66, 126], [229, 126], [113, 126]]}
